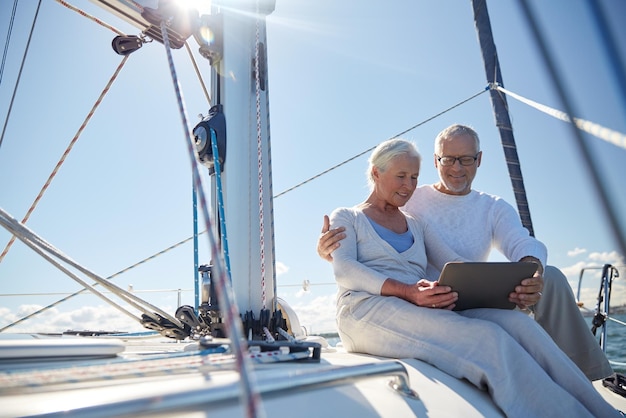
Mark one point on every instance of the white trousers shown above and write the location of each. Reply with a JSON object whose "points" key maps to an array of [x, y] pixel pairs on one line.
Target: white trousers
{"points": [[503, 352], [559, 315]]}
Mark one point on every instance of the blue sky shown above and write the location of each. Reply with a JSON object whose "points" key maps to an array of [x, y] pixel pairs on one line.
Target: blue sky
{"points": [[343, 76]]}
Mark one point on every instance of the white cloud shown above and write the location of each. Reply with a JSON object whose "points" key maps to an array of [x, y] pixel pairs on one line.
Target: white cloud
{"points": [[574, 269], [281, 268], [576, 251], [318, 315], [591, 269], [93, 318], [612, 257]]}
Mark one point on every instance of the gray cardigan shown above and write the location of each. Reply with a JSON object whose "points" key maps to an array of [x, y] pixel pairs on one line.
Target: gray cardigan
{"points": [[364, 260]]}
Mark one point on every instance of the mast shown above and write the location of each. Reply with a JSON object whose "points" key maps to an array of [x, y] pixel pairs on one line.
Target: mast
{"points": [[239, 83], [233, 39], [500, 109]]}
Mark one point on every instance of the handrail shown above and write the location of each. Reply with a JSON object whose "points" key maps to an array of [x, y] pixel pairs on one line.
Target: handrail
{"points": [[171, 400], [582, 272]]}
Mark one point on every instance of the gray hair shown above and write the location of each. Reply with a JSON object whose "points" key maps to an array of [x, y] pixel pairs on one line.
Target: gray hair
{"points": [[387, 151], [454, 130]]}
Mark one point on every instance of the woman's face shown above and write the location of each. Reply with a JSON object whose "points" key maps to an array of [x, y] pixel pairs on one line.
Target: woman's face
{"points": [[397, 183]]}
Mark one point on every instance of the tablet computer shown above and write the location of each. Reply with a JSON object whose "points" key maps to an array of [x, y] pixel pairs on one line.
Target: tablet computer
{"points": [[485, 284]]}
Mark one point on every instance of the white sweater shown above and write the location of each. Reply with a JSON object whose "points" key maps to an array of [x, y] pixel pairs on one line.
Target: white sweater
{"points": [[471, 225]]}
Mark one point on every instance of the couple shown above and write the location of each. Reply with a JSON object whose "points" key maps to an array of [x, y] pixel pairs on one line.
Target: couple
{"points": [[385, 305]]}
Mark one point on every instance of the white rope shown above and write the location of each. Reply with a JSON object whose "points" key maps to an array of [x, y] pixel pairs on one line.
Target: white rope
{"points": [[599, 131]]}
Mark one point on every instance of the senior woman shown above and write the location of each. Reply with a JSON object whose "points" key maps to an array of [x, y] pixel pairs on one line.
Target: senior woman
{"points": [[385, 307]]}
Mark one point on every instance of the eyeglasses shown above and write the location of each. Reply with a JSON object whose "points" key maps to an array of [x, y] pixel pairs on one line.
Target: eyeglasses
{"points": [[449, 161]]}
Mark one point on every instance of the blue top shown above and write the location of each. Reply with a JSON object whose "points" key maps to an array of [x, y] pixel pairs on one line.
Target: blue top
{"points": [[399, 242]]}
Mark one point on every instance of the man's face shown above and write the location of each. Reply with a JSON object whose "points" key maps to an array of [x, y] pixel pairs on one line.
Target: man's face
{"points": [[456, 178]]}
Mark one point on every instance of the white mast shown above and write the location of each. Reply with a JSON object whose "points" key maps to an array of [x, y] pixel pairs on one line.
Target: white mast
{"points": [[233, 38], [247, 185]]}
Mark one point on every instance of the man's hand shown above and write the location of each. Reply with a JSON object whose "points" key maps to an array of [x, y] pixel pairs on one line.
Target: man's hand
{"points": [[528, 292], [329, 240]]}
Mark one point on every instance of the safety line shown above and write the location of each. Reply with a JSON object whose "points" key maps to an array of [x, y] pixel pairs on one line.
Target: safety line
{"points": [[370, 149], [599, 131]]}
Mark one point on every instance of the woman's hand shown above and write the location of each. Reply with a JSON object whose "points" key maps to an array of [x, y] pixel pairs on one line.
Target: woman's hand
{"points": [[329, 240], [423, 293]]}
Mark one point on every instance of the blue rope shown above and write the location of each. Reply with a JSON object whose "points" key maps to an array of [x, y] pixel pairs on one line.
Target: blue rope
{"points": [[220, 201]]}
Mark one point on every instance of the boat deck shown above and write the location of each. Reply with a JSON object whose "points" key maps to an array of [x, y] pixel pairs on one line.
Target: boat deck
{"points": [[161, 377]]}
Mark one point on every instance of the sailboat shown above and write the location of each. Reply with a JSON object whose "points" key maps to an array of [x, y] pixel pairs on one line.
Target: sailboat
{"points": [[189, 371]]}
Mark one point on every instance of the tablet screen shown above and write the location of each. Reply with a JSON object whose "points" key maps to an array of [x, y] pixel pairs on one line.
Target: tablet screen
{"points": [[485, 284]]}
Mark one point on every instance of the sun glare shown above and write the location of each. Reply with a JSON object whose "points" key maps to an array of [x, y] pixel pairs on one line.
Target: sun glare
{"points": [[202, 6]]}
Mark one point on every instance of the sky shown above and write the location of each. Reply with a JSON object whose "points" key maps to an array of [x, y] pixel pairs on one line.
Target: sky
{"points": [[343, 76]]}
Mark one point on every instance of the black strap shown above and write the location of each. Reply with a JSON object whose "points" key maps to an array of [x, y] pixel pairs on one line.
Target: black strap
{"points": [[616, 382]]}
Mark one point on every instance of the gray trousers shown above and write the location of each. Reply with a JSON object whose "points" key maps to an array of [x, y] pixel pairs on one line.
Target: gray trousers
{"points": [[501, 351], [558, 314]]}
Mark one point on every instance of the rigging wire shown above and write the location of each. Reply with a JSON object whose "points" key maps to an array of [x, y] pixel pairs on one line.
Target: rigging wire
{"points": [[82, 127], [195, 66], [599, 131], [370, 149], [8, 40], [79, 292], [19, 77], [67, 151], [282, 193], [90, 17], [612, 52], [47, 251], [500, 108], [616, 229]]}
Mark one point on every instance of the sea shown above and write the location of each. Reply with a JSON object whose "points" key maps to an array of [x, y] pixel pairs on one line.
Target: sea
{"points": [[615, 347]]}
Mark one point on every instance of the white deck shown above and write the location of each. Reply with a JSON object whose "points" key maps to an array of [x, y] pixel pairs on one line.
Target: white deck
{"points": [[164, 384]]}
